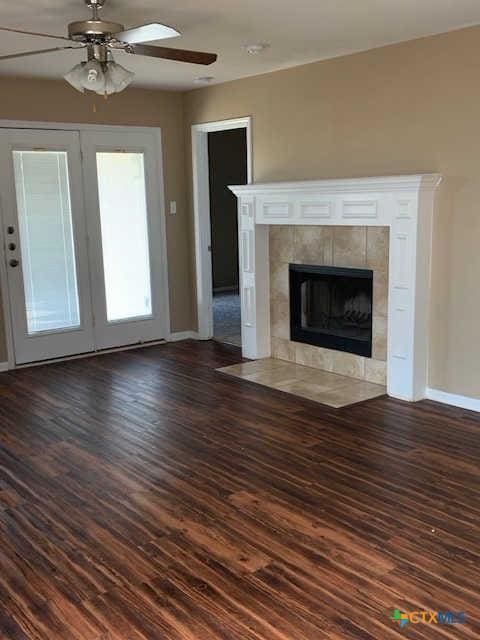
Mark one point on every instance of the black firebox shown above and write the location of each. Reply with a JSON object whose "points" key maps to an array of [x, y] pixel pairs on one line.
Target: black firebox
{"points": [[331, 307]]}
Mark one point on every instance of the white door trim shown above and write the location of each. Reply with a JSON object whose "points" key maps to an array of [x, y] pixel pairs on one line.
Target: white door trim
{"points": [[201, 212], [71, 126], [83, 127]]}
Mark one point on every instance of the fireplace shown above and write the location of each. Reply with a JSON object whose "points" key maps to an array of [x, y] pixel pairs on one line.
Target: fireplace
{"points": [[404, 204], [331, 307]]}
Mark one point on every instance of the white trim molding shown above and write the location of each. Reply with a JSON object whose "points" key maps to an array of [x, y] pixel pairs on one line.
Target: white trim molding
{"points": [[4, 366], [201, 212], [402, 203], [464, 402], [182, 335]]}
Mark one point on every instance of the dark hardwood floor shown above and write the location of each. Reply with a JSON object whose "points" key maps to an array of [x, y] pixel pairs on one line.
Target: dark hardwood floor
{"points": [[145, 496]]}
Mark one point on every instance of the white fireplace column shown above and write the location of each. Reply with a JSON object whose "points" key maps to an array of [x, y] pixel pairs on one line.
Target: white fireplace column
{"points": [[402, 203]]}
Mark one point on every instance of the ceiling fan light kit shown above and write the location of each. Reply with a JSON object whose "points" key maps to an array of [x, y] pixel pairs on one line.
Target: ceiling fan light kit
{"points": [[93, 76], [100, 73]]}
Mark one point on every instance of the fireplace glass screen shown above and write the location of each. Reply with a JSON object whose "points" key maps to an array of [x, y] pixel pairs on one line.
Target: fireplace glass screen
{"points": [[331, 307]]}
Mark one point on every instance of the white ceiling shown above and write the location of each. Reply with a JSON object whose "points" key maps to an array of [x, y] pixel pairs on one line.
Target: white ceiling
{"points": [[299, 31]]}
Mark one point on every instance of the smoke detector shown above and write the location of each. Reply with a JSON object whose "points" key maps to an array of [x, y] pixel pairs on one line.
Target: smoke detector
{"points": [[256, 48], [204, 79]]}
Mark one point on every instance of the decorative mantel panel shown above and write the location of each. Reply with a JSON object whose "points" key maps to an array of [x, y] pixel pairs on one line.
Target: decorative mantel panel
{"points": [[403, 203]]}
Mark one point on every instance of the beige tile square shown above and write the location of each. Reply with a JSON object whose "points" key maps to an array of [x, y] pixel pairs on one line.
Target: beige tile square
{"points": [[280, 318], [252, 366], [380, 293], [313, 245], [283, 349], [350, 246], [376, 371], [325, 380], [312, 356], [279, 301], [279, 282], [322, 359], [303, 389], [304, 354], [379, 338], [348, 364], [351, 394], [378, 239], [271, 378], [281, 243]]}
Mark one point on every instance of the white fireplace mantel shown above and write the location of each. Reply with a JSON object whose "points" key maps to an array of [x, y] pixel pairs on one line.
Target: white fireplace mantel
{"points": [[403, 203]]}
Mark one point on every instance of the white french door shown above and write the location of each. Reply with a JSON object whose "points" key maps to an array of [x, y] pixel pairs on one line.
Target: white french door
{"points": [[124, 234], [83, 241], [45, 244]]}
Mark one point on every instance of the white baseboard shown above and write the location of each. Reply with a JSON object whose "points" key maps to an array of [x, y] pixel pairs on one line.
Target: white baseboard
{"points": [[173, 337], [183, 335], [464, 402]]}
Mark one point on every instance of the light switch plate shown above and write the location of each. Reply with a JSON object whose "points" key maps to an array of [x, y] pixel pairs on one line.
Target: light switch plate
{"points": [[173, 207]]}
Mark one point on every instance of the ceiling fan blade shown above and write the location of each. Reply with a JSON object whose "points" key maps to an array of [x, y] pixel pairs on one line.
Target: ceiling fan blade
{"points": [[33, 33], [180, 55], [147, 33], [24, 54]]}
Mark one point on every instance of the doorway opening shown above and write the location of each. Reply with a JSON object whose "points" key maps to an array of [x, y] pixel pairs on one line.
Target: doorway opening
{"points": [[227, 162], [221, 158]]}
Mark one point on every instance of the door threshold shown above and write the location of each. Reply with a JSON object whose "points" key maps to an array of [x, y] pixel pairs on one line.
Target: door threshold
{"points": [[89, 354]]}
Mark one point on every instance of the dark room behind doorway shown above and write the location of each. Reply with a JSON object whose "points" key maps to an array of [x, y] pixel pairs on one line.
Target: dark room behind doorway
{"points": [[227, 152]]}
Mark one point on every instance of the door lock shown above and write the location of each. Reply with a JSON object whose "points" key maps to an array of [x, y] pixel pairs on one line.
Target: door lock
{"points": [[14, 262]]}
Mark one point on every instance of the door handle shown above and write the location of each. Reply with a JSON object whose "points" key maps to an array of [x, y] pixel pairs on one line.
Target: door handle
{"points": [[14, 262]]}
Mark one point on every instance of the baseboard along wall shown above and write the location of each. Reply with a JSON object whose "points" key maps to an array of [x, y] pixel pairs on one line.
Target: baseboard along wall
{"points": [[464, 402]]}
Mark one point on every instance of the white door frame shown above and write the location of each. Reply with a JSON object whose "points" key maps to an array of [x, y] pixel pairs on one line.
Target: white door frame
{"points": [[201, 212], [69, 126]]}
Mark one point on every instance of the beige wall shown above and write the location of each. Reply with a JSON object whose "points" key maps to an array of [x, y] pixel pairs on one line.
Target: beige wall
{"points": [[54, 101], [400, 109]]}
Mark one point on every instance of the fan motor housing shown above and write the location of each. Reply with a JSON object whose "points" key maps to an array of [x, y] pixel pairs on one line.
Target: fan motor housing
{"points": [[93, 30]]}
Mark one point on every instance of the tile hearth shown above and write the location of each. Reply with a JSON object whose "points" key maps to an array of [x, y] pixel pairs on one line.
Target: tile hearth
{"points": [[324, 387]]}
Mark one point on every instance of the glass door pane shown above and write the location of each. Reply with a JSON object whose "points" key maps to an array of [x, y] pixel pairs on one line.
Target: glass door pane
{"points": [[124, 230], [46, 240]]}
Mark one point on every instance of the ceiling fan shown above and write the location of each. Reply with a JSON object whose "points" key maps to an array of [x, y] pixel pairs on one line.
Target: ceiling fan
{"points": [[100, 73]]}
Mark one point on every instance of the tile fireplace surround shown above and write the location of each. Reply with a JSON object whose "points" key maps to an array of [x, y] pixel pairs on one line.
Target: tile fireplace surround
{"points": [[404, 204], [357, 247]]}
